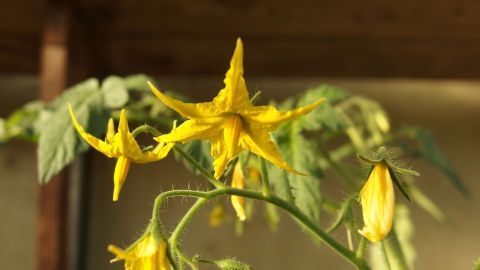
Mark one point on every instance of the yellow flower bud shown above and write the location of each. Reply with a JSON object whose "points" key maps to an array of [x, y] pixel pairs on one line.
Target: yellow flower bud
{"points": [[149, 253], [378, 203]]}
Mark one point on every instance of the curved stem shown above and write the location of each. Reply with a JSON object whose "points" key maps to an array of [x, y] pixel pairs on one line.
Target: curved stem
{"points": [[359, 263]]}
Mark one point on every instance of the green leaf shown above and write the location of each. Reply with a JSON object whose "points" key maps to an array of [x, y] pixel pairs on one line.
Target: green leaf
{"points": [[59, 142], [114, 92], [428, 149], [21, 123], [427, 204], [324, 116], [138, 82], [299, 154]]}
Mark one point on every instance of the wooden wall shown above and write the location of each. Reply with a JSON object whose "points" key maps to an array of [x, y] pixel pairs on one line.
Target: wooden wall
{"points": [[345, 38]]}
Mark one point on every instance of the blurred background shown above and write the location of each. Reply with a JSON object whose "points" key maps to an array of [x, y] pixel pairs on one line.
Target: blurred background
{"points": [[419, 59]]}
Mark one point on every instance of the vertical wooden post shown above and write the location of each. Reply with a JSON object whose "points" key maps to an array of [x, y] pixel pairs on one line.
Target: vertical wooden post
{"points": [[53, 197]]}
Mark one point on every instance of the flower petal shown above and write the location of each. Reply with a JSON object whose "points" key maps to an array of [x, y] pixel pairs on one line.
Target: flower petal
{"points": [[159, 152], [259, 142], [269, 115], [189, 110], [96, 143], [238, 202], [234, 96], [120, 175], [194, 129], [378, 203]]}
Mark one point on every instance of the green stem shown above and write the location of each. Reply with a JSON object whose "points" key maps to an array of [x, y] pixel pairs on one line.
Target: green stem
{"points": [[385, 256], [177, 233], [149, 129], [361, 247], [265, 181], [146, 129], [359, 263], [336, 166], [394, 252], [199, 168]]}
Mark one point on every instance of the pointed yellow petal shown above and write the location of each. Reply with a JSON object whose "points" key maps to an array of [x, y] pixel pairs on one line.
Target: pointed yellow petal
{"points": [[270, 116], [220, 157], [234, 96], [238, 202], [120, 175], [110, 131], [195, 129], [231, 134], [259, 142], [96, 143], [159, 152], [378, 204], [189, 110]]}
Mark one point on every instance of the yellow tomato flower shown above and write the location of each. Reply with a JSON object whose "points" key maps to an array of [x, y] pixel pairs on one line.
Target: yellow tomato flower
{"points": [[231, 122], [378, 203], [216, 216], [148, 253], [121, 145], [238, 202]]}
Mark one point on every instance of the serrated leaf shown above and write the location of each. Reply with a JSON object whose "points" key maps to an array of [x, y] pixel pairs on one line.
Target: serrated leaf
{"points": [[138, 82], [324, 116], [299, 154], [70, 94], [114, 92], [428, 149], [59, 143]]}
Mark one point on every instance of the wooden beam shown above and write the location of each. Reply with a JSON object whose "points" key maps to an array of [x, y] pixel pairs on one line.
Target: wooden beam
{"points": [[53, 197]]}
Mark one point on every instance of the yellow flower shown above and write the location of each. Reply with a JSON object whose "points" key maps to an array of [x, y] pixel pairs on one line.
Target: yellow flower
{"points": [[216, 216], [238, 202], [231, 122], [148, 253], [121, 145], [378, 203]]}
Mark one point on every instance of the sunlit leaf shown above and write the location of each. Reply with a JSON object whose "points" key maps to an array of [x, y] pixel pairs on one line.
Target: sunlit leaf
{"points": [[300, 154], [325, 115], [114, 92], [59, 142]]}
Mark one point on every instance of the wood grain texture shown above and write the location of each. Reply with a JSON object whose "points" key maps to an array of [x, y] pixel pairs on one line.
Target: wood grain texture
{"points": [[365, 38], [53, 197]]}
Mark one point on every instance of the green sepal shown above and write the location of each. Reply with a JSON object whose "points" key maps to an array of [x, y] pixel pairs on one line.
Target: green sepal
{"points": [[403, 190], [369, 161]]}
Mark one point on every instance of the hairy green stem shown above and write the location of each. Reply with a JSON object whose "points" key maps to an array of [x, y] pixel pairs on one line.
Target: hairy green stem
{"points": [[199, 167], [359, 263]]}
